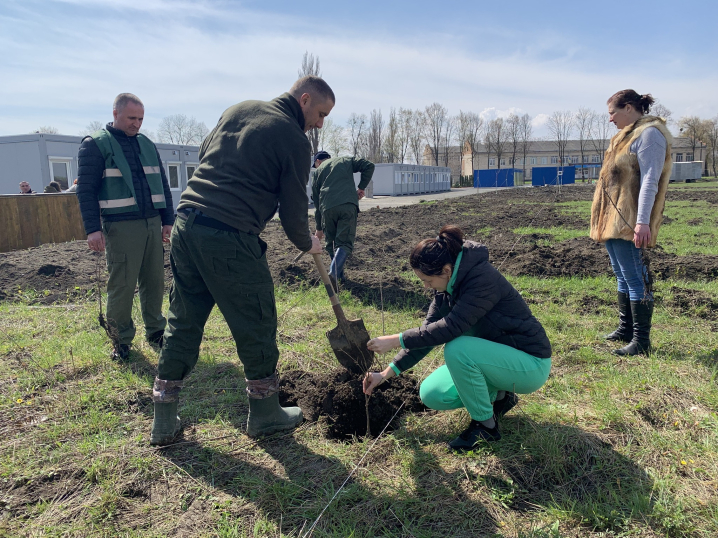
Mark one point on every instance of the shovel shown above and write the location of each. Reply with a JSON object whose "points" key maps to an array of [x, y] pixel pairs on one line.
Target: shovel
{"points": [[349, 338]]}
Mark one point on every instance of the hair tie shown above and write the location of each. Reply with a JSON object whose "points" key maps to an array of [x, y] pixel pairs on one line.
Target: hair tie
{"points": [[438, 238]]}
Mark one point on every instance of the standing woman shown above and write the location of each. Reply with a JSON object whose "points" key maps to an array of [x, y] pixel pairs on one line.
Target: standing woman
{"points": [[627, 210], [494, 346]]}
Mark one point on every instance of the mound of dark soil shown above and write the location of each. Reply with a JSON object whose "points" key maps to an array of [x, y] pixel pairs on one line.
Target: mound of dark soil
{"points": [[337, 398]]}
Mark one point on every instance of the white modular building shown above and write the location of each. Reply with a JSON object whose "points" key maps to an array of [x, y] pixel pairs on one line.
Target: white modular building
{"points": [[399, 179], [687, 171], [40, 158]]}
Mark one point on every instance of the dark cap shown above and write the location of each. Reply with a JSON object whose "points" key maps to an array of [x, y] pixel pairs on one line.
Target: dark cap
{"points": [[321, 155]]}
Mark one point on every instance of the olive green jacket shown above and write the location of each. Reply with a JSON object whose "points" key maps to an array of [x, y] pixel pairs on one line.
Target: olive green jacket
{"points": [[333, 183], [256, 159]]}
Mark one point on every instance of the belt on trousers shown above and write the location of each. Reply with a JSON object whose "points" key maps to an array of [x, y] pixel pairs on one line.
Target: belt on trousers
{"points": [[203, 220]]}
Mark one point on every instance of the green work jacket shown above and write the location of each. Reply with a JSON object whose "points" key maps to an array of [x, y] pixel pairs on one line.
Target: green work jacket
{"points": [[333, 183]]}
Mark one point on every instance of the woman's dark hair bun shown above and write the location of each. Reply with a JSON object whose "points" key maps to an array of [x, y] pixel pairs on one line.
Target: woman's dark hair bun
{"points": [[642, 103], [431, 255]]}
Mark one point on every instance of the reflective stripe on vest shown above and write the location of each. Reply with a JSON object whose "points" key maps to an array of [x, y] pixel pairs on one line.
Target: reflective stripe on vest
{"points": [[124, 202], [117, 193]]}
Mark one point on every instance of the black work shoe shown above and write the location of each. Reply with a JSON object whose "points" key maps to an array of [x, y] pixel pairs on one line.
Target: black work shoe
{"points": [[505, 404], [156, 339], [472, 435], [121, 352]]}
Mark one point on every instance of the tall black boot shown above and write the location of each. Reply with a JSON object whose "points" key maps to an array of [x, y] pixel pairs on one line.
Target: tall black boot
{"points": [[642, 313], [624, 333]]}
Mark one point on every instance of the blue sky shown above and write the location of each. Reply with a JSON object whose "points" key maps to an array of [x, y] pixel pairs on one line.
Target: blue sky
{"points": [[63, 61]]}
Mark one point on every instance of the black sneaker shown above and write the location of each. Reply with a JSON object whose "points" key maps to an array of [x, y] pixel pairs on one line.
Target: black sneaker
{"points": [[473, 434], [121, 352], [156, 339], [505, 404]]}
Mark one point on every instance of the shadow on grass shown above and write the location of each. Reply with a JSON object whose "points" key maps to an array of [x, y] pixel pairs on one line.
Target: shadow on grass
{"points": [[289, 483], [294, 494], [140, 365], [573, 474], [549, 466]]}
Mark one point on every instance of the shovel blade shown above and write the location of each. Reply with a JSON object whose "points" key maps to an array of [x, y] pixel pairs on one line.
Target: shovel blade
{"points": [[348, 341]]}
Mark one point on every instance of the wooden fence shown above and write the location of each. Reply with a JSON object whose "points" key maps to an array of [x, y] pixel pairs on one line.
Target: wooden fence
{"points": [[31, 220]]}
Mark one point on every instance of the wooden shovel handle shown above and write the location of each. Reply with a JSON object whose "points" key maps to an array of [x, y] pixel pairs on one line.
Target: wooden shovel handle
{"points": [[330, 290]]}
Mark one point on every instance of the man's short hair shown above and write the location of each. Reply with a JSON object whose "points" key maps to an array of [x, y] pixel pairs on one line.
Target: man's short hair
{"points": [[124, 98], [313, 86]]}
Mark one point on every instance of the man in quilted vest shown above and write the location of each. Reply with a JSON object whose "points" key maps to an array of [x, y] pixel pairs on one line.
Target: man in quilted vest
{"points": [[127, 211]]}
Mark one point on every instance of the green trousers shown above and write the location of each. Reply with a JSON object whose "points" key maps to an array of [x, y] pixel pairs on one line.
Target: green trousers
{"points": [[135, 257], [475, 370], [227, 269], [339, 224]]}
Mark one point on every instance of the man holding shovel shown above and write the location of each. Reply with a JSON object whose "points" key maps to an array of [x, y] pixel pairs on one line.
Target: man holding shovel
{"points": [[255, 160], [336, 200]]}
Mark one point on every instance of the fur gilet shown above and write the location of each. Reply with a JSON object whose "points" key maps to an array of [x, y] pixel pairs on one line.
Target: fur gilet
{"points": [[615, 201]]}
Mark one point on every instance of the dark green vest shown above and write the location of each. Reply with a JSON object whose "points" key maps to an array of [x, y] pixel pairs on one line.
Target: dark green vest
{"points": [[117, 194]]}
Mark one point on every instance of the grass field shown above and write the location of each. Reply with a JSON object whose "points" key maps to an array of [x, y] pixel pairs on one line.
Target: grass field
{"points": [[611, 446]]}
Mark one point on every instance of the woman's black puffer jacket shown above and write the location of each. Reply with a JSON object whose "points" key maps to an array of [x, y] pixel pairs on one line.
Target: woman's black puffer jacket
{"points": [[483, 304]]}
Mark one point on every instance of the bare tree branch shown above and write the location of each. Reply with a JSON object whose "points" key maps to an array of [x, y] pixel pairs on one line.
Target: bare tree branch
{"points": [[46, 129], [91, 127], [310, 66], [525, 137], [356, 125], [374, 136], [560, 125], [583, 121], [436, 118], [179, 129]]}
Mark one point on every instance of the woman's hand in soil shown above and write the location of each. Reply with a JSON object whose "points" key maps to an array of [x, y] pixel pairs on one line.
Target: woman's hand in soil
{"points": [[374, 379], [382, 344]]}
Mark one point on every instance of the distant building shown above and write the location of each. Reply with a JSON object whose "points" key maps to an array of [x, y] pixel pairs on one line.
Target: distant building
{"points": [[545, 153], [41, 158]]}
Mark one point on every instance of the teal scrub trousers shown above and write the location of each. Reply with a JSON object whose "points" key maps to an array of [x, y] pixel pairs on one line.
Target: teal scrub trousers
{"points": [[475, 370]]}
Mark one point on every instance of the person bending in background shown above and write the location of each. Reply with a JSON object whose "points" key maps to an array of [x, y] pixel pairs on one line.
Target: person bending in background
{"points": [[495, 347], [336, 202], [627, 210]]}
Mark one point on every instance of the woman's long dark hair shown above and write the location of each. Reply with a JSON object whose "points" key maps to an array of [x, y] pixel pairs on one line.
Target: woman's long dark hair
{"points": [[431, 255]]}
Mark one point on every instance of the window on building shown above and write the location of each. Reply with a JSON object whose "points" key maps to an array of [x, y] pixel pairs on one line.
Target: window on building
{"points": [[544, 160], [60, 171], [190, 170], [595, 158], [679, 157], [173, 175], [554, 159], [689, 157], [533, 160], [492, 162], [503, 162]]}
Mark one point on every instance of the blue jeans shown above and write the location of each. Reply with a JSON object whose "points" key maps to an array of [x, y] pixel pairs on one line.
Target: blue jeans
{"points": [[631, 272]]}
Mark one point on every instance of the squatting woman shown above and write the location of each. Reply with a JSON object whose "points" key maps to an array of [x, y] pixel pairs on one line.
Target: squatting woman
{"points": [[494, 346], [627, 210]]}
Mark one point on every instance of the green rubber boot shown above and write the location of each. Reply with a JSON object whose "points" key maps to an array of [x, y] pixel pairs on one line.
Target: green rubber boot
{"points": [[266, 416], [166, 424]]}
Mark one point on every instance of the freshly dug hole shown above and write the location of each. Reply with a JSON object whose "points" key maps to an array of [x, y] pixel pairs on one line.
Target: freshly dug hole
{"points": [[337, 396]]}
